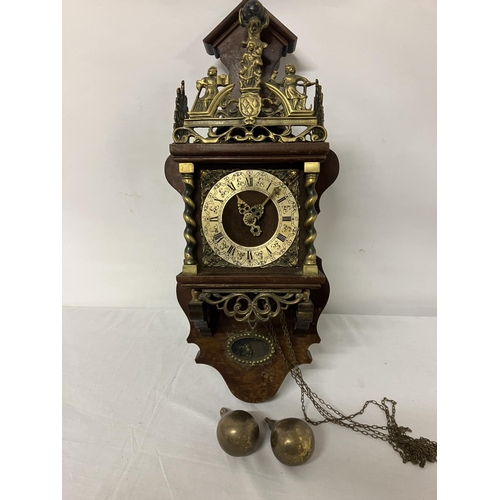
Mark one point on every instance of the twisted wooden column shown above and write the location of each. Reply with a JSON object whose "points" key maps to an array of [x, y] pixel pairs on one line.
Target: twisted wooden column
{"points": [[190, 263], [311, 170]]}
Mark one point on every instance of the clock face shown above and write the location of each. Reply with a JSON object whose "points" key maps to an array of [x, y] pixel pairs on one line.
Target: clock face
{"points": [[250, 218]]}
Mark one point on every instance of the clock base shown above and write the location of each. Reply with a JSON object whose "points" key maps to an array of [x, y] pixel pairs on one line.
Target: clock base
{"points": [[240, 346], [252, 368], [250, 383]]}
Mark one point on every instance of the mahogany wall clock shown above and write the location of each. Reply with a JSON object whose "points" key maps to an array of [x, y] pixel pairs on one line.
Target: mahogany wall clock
{"points": [[251, 161]]}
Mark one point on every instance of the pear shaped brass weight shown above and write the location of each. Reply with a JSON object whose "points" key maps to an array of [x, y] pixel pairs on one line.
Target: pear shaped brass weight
{"points": [[292, 440], [237, 432]]}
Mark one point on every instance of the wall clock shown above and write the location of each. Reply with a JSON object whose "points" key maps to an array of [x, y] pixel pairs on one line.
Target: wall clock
{"points": [[251, 161]]}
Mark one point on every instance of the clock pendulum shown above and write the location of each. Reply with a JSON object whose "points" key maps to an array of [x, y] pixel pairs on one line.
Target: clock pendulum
{"points": [[251, 162]]}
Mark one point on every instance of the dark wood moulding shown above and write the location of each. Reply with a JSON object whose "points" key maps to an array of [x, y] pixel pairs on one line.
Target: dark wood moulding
{"points": [[249, 153]]}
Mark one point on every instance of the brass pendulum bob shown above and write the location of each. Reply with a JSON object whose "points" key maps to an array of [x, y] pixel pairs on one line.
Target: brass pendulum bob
{"points": [[292, 440], [237, 432]]}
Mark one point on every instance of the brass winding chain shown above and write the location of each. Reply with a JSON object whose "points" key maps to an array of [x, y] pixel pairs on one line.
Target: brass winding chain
{"points": [[417, 451]]}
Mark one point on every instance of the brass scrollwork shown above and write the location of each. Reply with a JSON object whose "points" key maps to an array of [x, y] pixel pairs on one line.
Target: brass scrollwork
{"points": [[257, 133], [273, 111], [253, 306]]}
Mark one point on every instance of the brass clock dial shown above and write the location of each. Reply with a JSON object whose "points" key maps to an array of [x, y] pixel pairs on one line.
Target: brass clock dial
{"points": [[250, 218]]}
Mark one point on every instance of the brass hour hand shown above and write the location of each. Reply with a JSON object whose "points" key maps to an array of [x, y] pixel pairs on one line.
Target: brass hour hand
{"points": [[249, 217], [252, 214], [243, 206]]}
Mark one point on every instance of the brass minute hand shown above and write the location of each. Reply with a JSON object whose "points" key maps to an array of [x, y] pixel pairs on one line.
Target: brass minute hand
{"points": [[258, 210], [276, 190]]}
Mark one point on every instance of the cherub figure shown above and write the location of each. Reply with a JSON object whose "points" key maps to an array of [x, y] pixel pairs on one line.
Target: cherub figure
{"points": [[289, 84]]}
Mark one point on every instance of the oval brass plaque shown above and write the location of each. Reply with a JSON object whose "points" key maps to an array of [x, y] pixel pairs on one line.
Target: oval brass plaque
{"points": [[250, 348]]}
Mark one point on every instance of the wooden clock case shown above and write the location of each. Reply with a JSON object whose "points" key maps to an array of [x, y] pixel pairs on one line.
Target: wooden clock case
{"points": [[210, 327]]}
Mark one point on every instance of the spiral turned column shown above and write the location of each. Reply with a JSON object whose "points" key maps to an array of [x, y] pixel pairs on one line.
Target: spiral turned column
{"points": [[311, 170], [190, 263]]}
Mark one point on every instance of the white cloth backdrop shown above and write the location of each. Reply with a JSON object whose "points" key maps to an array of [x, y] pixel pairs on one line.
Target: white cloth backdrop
{"points": [[139, 415]]}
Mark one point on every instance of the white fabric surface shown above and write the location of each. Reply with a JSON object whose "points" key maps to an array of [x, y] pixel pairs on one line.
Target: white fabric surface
{"points": [[139, 416]]}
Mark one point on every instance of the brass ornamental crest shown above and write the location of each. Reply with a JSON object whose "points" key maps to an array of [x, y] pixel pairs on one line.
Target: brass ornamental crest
{"points": [[250, 109]]}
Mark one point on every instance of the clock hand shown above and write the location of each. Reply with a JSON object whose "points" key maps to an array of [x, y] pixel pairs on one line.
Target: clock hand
{"points": [[276, 190], [243, 206], [249, 218], [252, 214], [255, 230], [258, 210]]}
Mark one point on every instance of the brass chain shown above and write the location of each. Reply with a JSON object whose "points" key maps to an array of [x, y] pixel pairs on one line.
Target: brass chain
{"points": [[417, 451]]}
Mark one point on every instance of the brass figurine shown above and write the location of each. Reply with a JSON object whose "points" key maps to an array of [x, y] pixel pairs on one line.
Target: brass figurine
{"points": [[255, 18], [211, 84], [251, 67], [256, 111], [289, 83], [181, 107]]}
